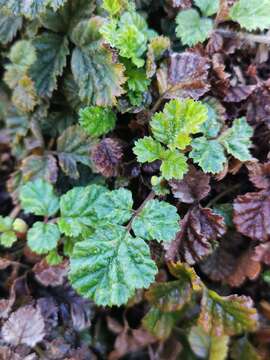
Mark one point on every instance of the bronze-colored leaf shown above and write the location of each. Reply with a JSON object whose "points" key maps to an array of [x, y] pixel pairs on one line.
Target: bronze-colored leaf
{"points": [[187, 76], [49, 275], [252, 215], [194, 186], [200, 228], [262, 253], [40, 167], [24, 326], [259, 174], [239, 93], [107, 156]]}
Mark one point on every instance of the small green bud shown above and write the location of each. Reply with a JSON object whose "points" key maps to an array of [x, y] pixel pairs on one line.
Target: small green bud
{"points": [[20, 226]]}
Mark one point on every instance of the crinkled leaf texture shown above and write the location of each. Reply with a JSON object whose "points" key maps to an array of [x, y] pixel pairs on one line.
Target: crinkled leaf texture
{"points": [[174, 164], [147, 149], [9, 26], [251, 14], [191, 28], [43, 237], [97, 121], [38, 197], [206, 346], [228, 315], [179, 119], [109, 266], [24, 326], [158, 220], [52, 51], [77, 209], [31, 8]]}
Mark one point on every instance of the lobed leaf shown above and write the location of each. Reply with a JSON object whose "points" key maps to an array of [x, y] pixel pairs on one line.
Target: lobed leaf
{"points": [[43, 237], [97, 121], [147, 149], [9, 26], [158, 220], [174, 165], [110, 265], [207, 7], [38, 197]]}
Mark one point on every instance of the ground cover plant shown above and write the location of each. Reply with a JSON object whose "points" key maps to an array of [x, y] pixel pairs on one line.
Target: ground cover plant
{"points": [[135, 179]]}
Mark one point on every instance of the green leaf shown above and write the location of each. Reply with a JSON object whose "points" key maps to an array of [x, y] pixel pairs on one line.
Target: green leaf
{"points": [[53, 258], [77, 209], [252, 14], [97, 121], [110, 265], [9, 26], [137, 83], [179, 119], [159, 324], [156, 48], [148, 150], [23, 54], [212, 126], [242, 349], [207, 7], [38, 197], [229, 315], [174, 165], [191, 28], [52, 51], [208, 346], [158, 220], [115, 206], [5, 223], [42, 237], [8, 238], [98, 77], [114, 7], [30, 8], [237, 139], [209, 154], [73, 146], [34, 167]]}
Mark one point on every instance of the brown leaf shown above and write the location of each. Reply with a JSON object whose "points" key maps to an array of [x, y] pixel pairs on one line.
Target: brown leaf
{"points": [[107, 156], [258, 108], [246, 268], [8, 354], [239, 93], [194, 186], [24, 326], [262, 253], [220, 82], [183, 4], [214, 44], [48, 275], [199, 229], [252, 215], [259, 174], [187, 76]]}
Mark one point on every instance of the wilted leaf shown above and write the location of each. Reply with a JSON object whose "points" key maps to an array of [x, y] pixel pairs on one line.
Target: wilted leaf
{"points": [[115, 206], [39, 167], [73, 146], [109, 266], [9, 26], [206, 346], [262, 253], [38, 197], [199, 229], [107, 156], [24, 326], [239, 93], [77, 209], [187, 76], [246, 268], [259, 174], [24, 95], [252, 215], [158, 220], [52, 50], [159, 324], [194, 186], [228, 315], [42, 237], [50, 275], [191, 28], [251, 15], [97, 121], [209, 154]]}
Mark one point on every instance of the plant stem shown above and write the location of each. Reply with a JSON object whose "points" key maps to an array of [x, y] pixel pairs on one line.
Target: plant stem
{"points": [[150, 196], [222, 194], [13, 214]]}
